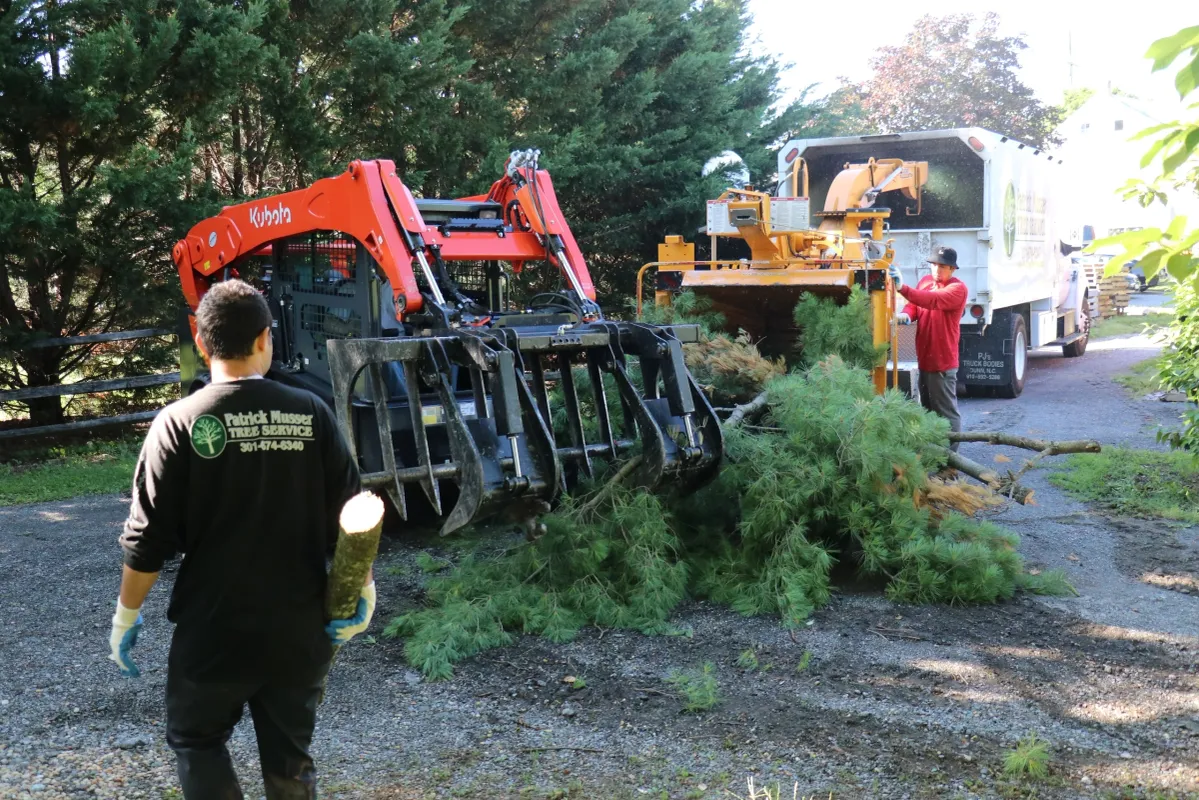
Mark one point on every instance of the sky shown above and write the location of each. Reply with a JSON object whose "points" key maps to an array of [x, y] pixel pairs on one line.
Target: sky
{"points": [[1104, 46]]}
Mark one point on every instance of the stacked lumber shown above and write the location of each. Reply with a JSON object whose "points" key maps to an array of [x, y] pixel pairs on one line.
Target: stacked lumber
{"points": [[1114, 295]]}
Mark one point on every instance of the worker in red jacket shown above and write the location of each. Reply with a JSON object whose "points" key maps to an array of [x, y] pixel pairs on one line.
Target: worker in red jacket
{"points": [[936, 306]]}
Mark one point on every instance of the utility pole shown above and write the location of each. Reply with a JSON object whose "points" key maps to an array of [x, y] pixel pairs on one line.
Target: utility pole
{"points": [[1070, 55]]}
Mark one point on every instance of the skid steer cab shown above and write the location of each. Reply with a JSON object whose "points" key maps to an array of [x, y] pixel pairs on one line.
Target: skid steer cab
{"points": [[396, 311]]}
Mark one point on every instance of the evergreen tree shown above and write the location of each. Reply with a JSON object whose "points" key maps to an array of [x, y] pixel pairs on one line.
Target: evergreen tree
{"points": [[627, 99], [125, 122], [94, 164]]}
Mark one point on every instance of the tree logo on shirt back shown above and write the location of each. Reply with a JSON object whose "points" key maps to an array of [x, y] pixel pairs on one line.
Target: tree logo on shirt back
{"points": [[208, 436]]}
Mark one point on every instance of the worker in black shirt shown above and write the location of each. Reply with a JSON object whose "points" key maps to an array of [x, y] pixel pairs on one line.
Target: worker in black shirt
{"points": [[246, 478]]}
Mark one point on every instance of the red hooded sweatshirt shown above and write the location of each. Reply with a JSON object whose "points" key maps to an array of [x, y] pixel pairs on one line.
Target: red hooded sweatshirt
{"points": [[937, 310]]}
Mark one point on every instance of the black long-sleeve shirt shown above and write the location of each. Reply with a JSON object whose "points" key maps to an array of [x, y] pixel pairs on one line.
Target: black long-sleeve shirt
{"points": [[246, 479]]}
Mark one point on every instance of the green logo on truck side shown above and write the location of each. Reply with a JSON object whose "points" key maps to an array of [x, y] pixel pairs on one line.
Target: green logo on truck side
{"points": [[208, 436], [1009, 220]]}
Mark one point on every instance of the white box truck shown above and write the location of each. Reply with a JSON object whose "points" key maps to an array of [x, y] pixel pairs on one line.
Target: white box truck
{"points": [[1002, 205]]}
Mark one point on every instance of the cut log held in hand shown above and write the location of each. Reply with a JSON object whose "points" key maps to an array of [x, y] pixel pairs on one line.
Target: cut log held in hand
{"points": [[361, 524]]}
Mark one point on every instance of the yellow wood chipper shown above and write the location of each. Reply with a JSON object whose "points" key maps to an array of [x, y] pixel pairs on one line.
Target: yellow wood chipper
{"points": [[789, 256]]}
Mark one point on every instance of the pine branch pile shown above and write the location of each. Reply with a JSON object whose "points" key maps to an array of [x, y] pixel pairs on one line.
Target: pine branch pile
{"points": [[728, 368], [840, 482], [829, 473], [615, 569]]}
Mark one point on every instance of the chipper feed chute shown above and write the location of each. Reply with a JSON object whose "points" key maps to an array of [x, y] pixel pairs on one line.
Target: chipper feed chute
{"points": [[790, 257], [395, 311]]}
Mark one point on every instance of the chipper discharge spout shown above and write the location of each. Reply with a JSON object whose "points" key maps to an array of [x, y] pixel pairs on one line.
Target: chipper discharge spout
{"points": [[776, 254], [396, 310]]}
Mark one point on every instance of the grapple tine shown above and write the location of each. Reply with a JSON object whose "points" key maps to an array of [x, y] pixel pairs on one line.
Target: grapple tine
{"points": [[537, 367], [480, 392], [383, 422], [540, 438], [677, 391], [601, 403], [653, 442], [421, 436], [466, 456], [710, 433], [574, 419], [649, 377]]}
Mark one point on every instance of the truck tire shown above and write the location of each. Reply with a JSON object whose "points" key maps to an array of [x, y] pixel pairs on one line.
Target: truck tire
{"points": [[1079, 346], [1018, 362]]}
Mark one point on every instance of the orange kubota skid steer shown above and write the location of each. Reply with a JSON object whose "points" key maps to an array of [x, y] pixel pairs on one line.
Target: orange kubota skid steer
{"points": [[395, 310]]}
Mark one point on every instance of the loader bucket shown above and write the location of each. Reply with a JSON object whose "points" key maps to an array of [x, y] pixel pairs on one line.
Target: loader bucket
{"points": [[467, 414]]}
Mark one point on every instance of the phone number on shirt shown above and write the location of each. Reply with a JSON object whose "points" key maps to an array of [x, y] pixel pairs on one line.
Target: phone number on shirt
{"points": [[271, 444]]}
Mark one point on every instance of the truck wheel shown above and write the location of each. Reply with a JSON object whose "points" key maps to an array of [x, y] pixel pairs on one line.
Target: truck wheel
{"points": [[1018, 360], [1079, 346]]}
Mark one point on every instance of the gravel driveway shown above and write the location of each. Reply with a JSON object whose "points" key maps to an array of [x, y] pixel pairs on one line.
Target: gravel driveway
{"points": [[895, 701]]}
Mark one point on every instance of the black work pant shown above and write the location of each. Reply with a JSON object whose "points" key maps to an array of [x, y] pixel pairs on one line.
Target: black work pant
{"points": [[200, 720], [939, 394]]}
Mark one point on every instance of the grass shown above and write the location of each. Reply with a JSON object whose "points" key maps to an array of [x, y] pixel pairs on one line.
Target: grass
{"points": [[748, 660], [1125, 324], [1142, 378], [1052, 583], [698, 688], [430, 564], [1144, 483], [1031, 757], [62, 472]]}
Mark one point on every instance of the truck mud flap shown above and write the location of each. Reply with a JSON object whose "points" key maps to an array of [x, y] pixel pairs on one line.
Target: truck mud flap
{"points": [[984, 357]]}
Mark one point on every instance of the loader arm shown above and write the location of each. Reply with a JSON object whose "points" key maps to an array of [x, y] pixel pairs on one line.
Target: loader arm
{"points": [[371, 203], [449, 396], [354, 202]]}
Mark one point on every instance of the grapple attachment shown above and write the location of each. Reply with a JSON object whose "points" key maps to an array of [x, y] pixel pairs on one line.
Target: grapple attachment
{"points": [[469, 415]]}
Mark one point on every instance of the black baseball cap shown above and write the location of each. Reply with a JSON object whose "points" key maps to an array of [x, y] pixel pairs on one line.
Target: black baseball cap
{"points": [[945, 255]]}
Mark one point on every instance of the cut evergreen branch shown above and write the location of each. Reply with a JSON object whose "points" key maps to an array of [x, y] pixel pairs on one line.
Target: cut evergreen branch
{"points": [[1030, 757], [828, 472], [698, 688], [750, 411], [846, 480], [729, 368], [1028, 443], [844, 330]]}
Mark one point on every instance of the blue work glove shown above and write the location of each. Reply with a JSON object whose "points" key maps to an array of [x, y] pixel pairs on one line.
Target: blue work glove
{"points": [[126, 624], [342, 630], [896, 278]]}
